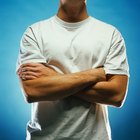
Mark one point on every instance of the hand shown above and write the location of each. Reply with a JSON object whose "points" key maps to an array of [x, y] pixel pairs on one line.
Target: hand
{"points": [[30, 71]]}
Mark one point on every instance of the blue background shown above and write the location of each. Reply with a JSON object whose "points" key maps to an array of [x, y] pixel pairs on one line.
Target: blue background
{"points": [[16, 15]]}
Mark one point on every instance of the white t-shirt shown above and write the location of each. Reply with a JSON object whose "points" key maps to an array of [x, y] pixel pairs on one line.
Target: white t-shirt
{"points": [[69, 48]]}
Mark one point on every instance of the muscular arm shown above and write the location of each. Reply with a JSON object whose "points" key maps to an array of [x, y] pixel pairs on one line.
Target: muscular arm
{"points": [[110, 92], [53, 86], [90, 85]]}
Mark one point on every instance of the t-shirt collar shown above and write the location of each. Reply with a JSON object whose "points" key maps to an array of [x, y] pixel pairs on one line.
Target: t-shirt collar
{"points": [[71, 25]]}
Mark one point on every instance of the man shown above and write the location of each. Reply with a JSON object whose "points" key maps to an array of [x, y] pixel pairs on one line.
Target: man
{"points": [[71, 67]]}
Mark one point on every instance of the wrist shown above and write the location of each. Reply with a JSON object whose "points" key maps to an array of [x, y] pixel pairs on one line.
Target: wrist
{"points": [[99, 74]]}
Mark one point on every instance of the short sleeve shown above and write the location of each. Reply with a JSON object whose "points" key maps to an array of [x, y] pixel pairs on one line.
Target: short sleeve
{"points": [[116, 60], [30, 51]]}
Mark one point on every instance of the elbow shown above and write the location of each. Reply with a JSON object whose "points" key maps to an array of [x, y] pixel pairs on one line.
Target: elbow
{"points": [[29, 99], [118, 104], [118, 100], [29, 93]]}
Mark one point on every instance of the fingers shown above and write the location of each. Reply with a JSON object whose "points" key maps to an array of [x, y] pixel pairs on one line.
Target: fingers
{"points": [[30, 65], [34, 66], [23, 69], [29, 73], [27, 77], [35, 70]]}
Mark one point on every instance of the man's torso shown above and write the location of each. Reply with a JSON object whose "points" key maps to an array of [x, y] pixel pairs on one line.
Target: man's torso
{"points": [[71, 48]]}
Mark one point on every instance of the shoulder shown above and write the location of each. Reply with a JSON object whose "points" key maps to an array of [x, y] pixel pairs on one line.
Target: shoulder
{"points": [[40, 25], [37, 28], [105, 29], [102, 27]]}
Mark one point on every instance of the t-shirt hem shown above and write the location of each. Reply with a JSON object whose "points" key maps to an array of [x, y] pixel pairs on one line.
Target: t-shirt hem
{"points": [[117, 72]]}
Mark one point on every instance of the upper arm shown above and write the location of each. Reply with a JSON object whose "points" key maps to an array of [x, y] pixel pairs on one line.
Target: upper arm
{"points": [[28, 88], [24, 89], [116, 61], [30, 49], [119, 82], [113, 91], [116, 66]]}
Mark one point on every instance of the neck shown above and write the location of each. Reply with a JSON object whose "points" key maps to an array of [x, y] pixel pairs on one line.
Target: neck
{"points": [[72, 13]]}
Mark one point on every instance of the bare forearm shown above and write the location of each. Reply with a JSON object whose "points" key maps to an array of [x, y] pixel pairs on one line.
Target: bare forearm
{"points": [[59, 86], [99, 93], [105, 92]]}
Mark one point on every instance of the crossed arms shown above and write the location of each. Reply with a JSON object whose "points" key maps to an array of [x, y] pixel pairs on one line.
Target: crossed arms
{"points": [[42, 83]]}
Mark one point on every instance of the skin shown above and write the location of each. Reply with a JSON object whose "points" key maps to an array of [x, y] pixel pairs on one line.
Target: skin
{"points": [[72, 10], [42, 83]]}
